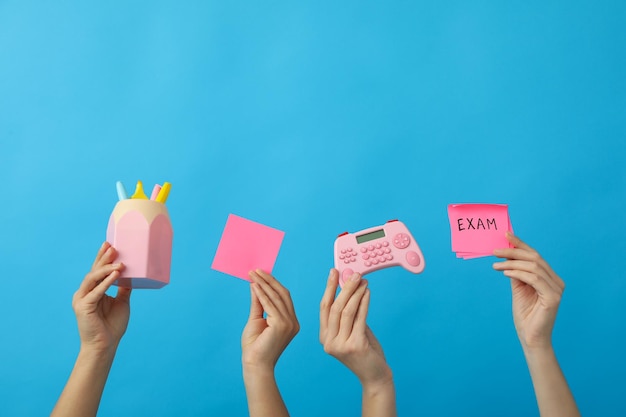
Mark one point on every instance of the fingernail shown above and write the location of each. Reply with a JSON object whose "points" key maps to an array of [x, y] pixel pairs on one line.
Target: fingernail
{"points": [[355, 277], [116, 266]]}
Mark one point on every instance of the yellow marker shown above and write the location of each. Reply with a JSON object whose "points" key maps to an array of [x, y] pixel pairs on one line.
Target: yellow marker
{"points": [[139, 194], [165, 191]]}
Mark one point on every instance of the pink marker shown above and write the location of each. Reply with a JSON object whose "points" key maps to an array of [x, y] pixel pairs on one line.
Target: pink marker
{"points": [[155, 191]]}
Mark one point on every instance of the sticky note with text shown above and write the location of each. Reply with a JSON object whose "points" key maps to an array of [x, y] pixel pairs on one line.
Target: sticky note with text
{"points": [[246, 245], [478, 229]]}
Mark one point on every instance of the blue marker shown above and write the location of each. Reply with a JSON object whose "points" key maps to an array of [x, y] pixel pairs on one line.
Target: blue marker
{"points": [[121, 191]]}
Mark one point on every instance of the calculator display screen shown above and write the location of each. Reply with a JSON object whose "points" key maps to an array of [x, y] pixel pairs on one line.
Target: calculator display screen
{"points": [[370, 236]]}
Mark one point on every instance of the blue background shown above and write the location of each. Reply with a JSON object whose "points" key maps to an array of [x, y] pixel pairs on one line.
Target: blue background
{"points": [[315, 118]]}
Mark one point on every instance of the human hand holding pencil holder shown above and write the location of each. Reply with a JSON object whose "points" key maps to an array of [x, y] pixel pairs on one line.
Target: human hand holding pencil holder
{"points": [[141, 231]]}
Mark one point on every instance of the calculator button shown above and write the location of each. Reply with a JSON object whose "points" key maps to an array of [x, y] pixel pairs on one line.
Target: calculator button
{"points": [[346, 274], [401, 240], [413, 258]]}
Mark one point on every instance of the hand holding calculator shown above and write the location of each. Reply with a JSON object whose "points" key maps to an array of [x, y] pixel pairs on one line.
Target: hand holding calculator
{"points": [[376, 248]]}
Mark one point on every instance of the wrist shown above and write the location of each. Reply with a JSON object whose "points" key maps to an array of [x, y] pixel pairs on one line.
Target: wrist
{"points": [[97, 353], [383, 382], [94, 361], [257, 376], [257, 370], [540, 359], [257, 363], [538, 353], [536, 347], [535, 343]]}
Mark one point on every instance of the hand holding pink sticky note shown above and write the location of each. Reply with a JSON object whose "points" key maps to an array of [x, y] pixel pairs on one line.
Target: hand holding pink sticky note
{"points": [[478, 229], [246, 246]]}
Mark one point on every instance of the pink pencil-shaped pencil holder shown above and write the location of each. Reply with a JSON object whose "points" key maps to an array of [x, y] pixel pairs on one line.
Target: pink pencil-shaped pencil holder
{"points": [[141, 232]]}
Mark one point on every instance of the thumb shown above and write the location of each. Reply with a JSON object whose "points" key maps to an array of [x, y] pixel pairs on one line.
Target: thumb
{"points": [[123, 294], [256, 309]]}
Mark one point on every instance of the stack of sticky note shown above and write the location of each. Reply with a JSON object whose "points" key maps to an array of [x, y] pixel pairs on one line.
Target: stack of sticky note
{"points": [[478, 229]]}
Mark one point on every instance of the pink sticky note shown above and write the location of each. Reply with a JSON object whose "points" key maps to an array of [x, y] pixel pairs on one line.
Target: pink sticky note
{"points": [[245, 246], [478, 229]]}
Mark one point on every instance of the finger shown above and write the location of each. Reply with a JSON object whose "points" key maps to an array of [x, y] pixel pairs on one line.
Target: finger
{"points": [[98, 292], [123, 294], [359, 321], [517, 242], [340, 302], [271, 293], [532, 267], [256, 309], [101, 251], [327, 301], [266, 302], [532, 255], [516, 253], [349, 287], [269, 278], [93, 278], [346, 322], [543, 289], [278, 288], [108, 257]]}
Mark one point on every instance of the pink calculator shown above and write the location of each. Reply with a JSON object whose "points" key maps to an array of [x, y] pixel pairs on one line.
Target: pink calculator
{"points": [[376, 248]]}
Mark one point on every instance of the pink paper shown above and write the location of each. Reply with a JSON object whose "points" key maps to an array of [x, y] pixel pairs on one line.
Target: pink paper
{"points": [[478, 229], [245, 246]]}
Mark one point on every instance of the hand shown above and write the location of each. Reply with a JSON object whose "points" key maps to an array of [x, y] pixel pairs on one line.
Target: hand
{"points": [[102, 320], [264, 339], [536, 292], [346, 336]]}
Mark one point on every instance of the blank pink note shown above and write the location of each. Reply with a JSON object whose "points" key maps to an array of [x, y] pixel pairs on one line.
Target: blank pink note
{"points": [[245, 246]]}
